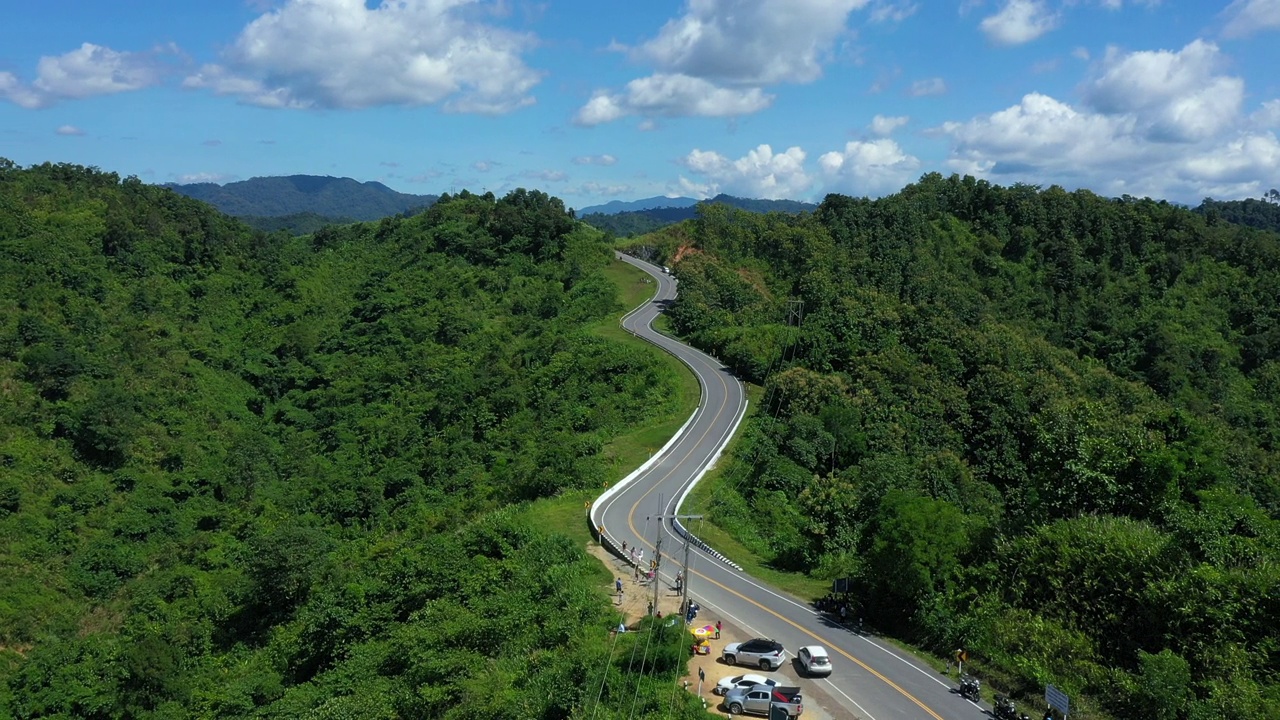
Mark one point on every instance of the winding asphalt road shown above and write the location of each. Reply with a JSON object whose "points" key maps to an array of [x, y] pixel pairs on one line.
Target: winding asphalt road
{"points": [[871, 680]]}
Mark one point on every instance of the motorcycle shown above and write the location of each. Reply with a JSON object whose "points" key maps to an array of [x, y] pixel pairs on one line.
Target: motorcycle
{"points": [[970, 687], [1004, 709]]}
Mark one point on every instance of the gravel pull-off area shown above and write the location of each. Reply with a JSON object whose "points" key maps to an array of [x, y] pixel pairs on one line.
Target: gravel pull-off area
{"points": [[636, 597]]}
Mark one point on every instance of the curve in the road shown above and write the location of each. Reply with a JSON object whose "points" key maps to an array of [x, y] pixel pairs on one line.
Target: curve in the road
{"points": [[882, 677]]}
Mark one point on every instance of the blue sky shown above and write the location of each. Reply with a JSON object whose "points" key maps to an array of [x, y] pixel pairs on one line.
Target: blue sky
{"points": [[598, 100]]}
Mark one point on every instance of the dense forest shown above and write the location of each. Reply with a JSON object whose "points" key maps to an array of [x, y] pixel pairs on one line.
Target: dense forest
{"points": [[251, 475], [330, 197], [304, 223], [1040, 425], [1263, 213], [639, 222]]}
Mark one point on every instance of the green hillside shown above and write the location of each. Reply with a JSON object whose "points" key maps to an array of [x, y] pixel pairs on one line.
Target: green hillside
{"points": [[246, 475], [1038, 425]]}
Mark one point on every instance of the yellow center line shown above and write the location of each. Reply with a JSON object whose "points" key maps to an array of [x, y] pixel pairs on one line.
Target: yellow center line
{"points": [[824, 641], [789, 621]]}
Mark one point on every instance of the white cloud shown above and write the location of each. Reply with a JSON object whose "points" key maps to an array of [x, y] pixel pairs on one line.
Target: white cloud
{"points": [[1174, 96], [85, 72], [69, 130], [1246, 17], [752, 42], [1018, 22], [761, 173], [1080, 53], [881, 125], [869, 168], [730, 50], [604, 160], [885, 11], [671, 96], [601, 189], [344, 54], [928, 86], [1267, 116], [1043, 138], [202, 177], [551, 176], [484, 165]]}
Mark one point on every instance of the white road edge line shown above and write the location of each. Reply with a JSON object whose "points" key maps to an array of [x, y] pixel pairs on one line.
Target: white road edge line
{"points": [[846, 697]]}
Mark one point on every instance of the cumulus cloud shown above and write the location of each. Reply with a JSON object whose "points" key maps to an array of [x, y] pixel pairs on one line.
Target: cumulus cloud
{"points": [[69, 130], [869, 168], [85, 72], [731, 49], [345, 54], [761, 173], [671, 96], [1158, 123], [1018, 22], [1246, 17], [604, 160], [882, 125], [1175, 95], [928, 86]]}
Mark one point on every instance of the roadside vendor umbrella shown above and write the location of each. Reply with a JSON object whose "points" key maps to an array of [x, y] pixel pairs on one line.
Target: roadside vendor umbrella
{"points": [[704, 632]]}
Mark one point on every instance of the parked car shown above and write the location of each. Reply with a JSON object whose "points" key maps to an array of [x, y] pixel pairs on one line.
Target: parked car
{"points": [[760, 699], [741, 681], [815, 660], [765, 654]]}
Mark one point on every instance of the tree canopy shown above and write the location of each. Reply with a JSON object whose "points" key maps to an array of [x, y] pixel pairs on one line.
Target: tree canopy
{"points": [[1037, 424], [253, 475]]}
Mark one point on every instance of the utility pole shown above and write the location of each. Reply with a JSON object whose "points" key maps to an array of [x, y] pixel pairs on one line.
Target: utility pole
{"points": [[684, 573]]}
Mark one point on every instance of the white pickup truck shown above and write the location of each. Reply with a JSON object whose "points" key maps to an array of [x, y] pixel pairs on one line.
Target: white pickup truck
{"points": [[759, 700]]}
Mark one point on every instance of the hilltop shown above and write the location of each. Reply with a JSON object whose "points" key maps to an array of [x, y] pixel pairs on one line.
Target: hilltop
{"points": [[646, 220], [333, 198]]}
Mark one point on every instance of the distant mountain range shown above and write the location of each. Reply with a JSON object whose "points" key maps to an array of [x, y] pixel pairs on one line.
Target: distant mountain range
{"points": [[330, 198], [640, 221], [613, 207]]}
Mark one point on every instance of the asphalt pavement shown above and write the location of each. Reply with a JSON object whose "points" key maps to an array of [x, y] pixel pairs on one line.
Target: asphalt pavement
{"points": [[870, 679]]}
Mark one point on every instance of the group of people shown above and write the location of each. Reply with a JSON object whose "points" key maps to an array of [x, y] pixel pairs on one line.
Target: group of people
{"points": [[841, 606]]}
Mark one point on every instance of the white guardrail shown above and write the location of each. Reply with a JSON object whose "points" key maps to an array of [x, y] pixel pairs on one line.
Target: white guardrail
{"points": [[597, 525]]}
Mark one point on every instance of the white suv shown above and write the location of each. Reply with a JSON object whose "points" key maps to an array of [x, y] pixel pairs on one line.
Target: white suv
{"points": [[815, 660], [762, 653]]}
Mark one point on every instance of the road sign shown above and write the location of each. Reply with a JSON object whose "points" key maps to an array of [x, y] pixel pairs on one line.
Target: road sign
{"points": [[702, 674], [1056, 699], [962, 656], [840, 585]]}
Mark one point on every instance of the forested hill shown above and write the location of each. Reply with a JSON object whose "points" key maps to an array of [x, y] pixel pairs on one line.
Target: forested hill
{"points": [[330, 197], [639, 222], [246, 475], [1038, 425]]}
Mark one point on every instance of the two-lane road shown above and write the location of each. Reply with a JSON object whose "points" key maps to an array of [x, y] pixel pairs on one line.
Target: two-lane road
{"points": [[870, 680]]}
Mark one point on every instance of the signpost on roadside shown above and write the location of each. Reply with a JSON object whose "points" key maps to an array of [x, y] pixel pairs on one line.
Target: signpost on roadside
{"points": [[1057, 700], [702, 675], [961, 657]]}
